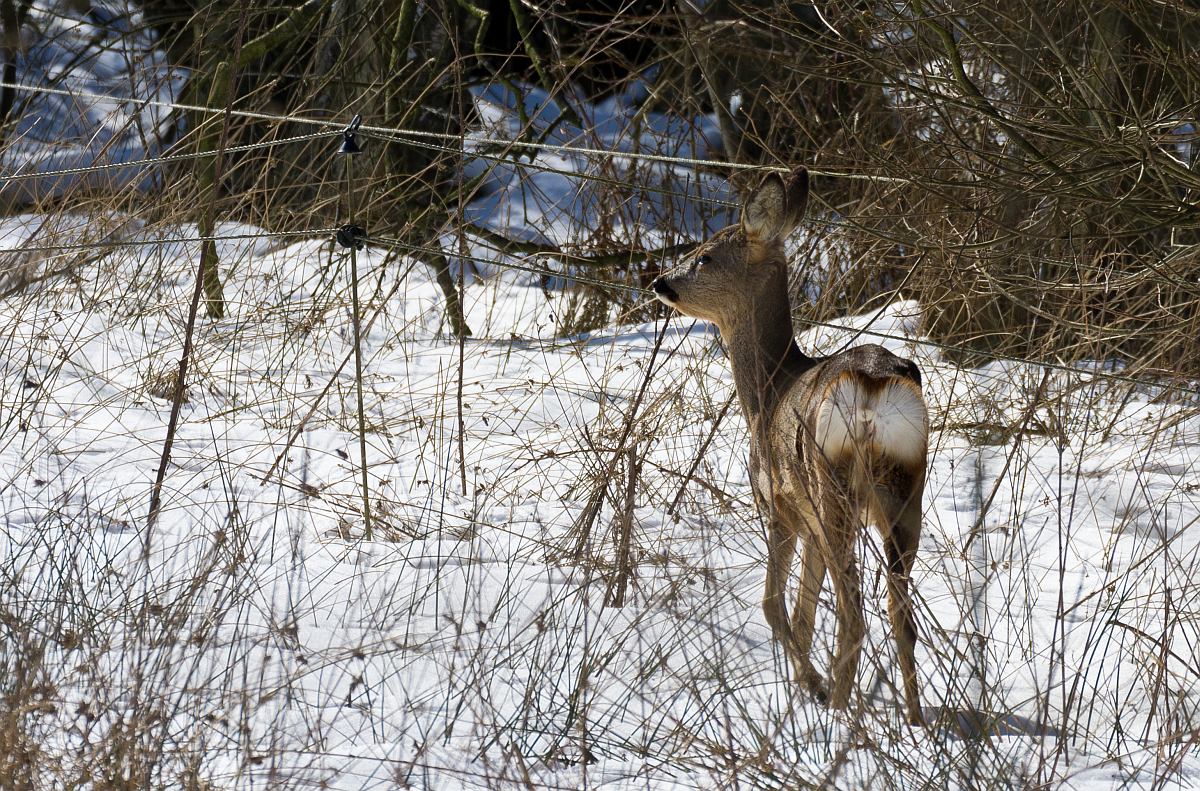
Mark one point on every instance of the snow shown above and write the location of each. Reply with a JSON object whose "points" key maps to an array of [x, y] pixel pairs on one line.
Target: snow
{"points": [[105, 104], [264, 642], [466, 646]]}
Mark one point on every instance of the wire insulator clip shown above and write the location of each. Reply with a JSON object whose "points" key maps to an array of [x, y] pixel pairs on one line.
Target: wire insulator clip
{"points": [[352, 236], [348, 144]]}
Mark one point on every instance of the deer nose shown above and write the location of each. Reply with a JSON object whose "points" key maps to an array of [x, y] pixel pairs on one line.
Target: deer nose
{"points": [[664, 292]]}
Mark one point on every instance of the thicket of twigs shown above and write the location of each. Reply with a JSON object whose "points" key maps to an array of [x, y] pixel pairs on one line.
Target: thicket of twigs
{"points": [[1023, 169]]}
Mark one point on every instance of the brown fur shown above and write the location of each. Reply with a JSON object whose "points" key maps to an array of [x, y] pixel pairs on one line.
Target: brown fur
{"points": [[864, 404]]}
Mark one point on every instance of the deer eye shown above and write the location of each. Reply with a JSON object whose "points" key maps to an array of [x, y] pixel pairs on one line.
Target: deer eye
{"points": [[704, 259]]}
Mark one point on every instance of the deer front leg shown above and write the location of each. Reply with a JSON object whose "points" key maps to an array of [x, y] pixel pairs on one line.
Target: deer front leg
{"points": [[781, 547], [804, 617]]}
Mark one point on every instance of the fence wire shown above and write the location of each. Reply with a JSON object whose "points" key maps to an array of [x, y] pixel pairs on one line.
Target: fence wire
{"points": [[406, 136], [403, 135]]}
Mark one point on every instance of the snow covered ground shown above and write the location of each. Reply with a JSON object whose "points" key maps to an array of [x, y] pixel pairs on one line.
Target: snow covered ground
{"points": [[468, 644], [264, 642]]}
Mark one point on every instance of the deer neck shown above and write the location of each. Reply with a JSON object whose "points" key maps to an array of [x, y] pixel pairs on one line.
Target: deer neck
{"points": [[765, 359]]}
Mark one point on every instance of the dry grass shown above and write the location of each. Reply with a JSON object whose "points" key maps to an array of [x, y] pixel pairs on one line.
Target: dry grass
{"points": [[561, 587]]}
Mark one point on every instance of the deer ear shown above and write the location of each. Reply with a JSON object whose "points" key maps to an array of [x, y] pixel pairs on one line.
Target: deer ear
{"points": [[777, 206], [764, 212]]}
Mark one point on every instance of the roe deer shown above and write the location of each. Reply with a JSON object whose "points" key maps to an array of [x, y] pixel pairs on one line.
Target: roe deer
{"points": [[833, 440]]}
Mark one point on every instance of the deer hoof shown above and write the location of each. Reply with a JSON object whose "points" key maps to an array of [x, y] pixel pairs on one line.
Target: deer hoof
{"points": [[814, 685]]}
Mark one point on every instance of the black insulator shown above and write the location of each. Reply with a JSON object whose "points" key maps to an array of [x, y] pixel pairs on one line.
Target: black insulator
{"points": [[348, 144], [352, 236]]}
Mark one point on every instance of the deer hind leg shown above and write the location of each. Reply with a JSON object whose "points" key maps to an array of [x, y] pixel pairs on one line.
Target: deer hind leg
{"points": [[902, 535], [839, 527]]}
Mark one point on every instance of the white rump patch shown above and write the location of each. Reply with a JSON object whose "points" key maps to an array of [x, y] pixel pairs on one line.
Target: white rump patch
{"points": [[893, 422]]}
